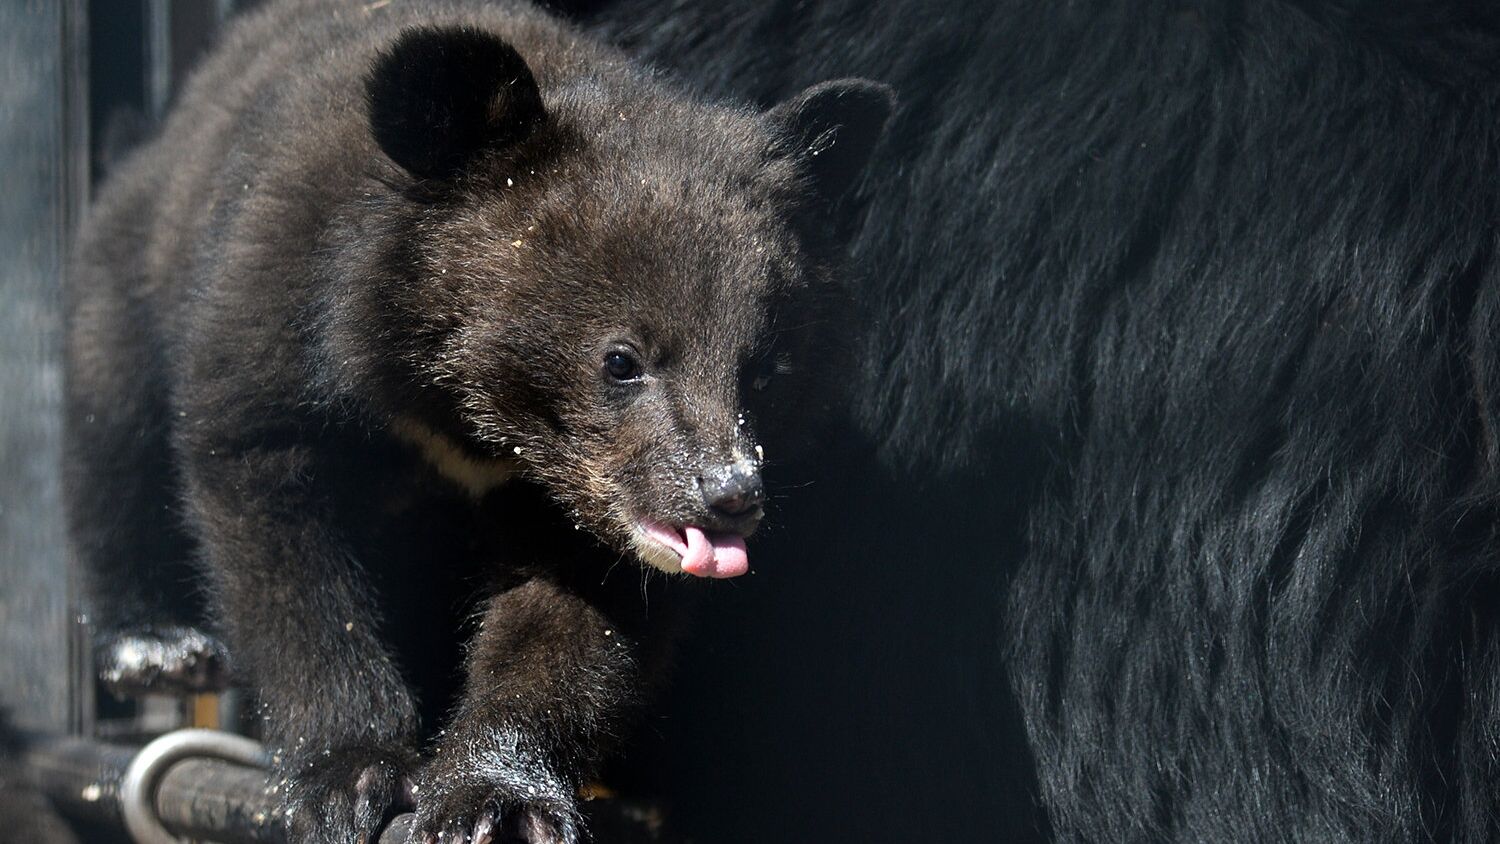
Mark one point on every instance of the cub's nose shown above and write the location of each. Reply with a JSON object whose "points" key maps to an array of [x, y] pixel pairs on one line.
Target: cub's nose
{"points": [[733, 490]]}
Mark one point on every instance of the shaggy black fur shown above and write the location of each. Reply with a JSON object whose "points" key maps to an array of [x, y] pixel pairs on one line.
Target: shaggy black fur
{"points": [[375, 240], [1192, 309]]}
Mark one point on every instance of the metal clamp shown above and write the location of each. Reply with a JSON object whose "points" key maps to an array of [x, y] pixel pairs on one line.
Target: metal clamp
{"points": [[138, 788]]}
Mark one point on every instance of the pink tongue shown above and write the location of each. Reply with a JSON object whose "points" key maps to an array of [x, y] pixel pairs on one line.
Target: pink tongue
{"points": [[714, 554]]}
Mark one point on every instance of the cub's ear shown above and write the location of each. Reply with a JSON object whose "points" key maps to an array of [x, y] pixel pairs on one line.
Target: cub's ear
{"points": [[832, 128], [440, 95]]}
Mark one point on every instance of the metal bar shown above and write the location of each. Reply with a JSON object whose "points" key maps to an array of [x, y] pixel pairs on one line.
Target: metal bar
{"points": [[76, 189], [140, 793], [158, 57], [203, 799]]}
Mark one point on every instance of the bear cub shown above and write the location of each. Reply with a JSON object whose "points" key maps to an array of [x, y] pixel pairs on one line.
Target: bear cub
{"points": [[416, 319]]}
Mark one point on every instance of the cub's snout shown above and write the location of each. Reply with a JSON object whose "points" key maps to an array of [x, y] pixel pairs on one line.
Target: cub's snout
{"points": [[733, 493]]}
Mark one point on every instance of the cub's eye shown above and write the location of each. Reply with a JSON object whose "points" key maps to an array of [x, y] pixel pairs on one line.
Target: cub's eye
{"points": [[621, 366]]}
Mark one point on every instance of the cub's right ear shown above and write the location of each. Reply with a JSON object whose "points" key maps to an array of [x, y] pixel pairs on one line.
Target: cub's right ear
{"points": [[441, 95]]}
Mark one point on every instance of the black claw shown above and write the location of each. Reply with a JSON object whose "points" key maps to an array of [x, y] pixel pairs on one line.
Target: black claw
{"points": [[484, 829]]}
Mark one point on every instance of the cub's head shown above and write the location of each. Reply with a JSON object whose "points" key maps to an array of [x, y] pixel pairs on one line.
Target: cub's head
{"points": [[608, 283]]}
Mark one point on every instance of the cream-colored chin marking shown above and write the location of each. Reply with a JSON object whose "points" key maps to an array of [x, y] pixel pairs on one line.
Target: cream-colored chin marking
{"points": [[476, 475], [655, 554]]}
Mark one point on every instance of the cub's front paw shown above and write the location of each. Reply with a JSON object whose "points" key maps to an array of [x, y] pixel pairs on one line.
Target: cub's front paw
{"points": [[163, 660], [346, 794], [479, 809]]}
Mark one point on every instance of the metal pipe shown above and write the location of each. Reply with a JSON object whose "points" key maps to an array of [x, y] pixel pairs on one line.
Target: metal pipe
{"points": [[143, 779], [195, 798]]}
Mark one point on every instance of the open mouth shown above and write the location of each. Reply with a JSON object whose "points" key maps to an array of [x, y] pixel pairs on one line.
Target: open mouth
{"points": [[692, 550]]}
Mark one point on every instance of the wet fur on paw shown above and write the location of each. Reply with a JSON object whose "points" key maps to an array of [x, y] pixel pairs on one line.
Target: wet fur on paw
{"points": [[493, 789], [346, 794], [481, 812]]}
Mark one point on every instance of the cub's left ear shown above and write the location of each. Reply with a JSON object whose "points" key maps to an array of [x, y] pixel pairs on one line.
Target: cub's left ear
{"points": [[832, 129], [441, 95]]}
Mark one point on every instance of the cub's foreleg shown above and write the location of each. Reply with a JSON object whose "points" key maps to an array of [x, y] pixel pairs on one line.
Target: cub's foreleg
{"points": [[301, 623], [551, 679]]}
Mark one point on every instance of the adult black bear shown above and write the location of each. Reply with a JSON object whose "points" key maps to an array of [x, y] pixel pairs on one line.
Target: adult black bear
{"points": [[1185, 319], [402, 295]]}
